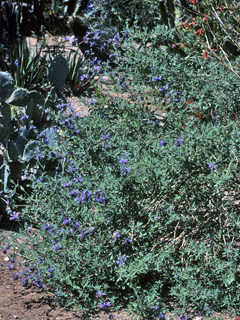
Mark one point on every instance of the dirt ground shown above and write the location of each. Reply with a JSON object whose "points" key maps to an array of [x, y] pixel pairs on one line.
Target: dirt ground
{"points": [[23, 303]]}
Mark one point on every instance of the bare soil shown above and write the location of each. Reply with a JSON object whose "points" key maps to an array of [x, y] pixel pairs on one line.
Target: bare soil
{"points": [[23, 303]]}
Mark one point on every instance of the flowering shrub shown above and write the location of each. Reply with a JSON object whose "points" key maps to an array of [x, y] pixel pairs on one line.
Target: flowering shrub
{"points": [[142, 214], [141, 208]]}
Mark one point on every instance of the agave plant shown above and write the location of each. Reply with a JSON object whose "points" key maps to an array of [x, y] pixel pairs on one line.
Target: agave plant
{"points": [[80, 77], [28, 66]]}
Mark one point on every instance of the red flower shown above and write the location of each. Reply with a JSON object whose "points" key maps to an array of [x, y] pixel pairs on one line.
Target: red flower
{"points": [[200, 31], [199, 116], [238, 318], [205, 17], [193, 1], [190, 24], [189, 101], [214, 50], [235, 119], [79, 85], [205, 54], [183, 45]]}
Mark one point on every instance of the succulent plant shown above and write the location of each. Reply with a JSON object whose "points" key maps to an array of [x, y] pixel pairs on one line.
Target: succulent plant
{"points": [[19, 146], [57, 72], [5, 120], [37, 107], [6, 85], [4, 168], [32, 151], [19, 97]]}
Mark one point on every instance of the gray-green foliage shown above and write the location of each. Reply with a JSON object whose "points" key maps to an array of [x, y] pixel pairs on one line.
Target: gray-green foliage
{"points": [[175, 211], [141, 207]]}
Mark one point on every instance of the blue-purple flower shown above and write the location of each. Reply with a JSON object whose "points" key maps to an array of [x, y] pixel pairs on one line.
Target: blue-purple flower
{"points": [[74, 42], [24, 117], [121, 260], [38, 283], [84, 196], [67, 221], [99, 196], [105, 304], [48, 227], [116, 38], [155, 307], [161, 316], [212, 165], [73, 193], [15, 276], [51, 269], [116, 235], [76, 225], [182, 317], [67, 38], [125, 169], [73, 169], [92, 101], [126, 241], [10, 266], [24, 282], [104, 137], [57, 247], [67, 184], [100, 294], [106, 145], [112, 56], [123, 161], [163, 142], [78, 179], [13, 215], [178, 143], [84, 76], [156, 79]]}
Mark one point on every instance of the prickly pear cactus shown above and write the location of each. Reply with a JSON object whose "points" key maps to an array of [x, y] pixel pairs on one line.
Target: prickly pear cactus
{"points": [[37, 107], [20, 98], [12, 151], [6, 85], [19, 145], [5, 120], [57, 72], [33, 151]]}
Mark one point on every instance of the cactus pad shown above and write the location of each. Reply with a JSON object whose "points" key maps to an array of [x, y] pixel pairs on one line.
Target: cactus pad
{"points": [[5, 119], [19, 97], [57, 72], [6, 86], [38, 106], [12, 151]]}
